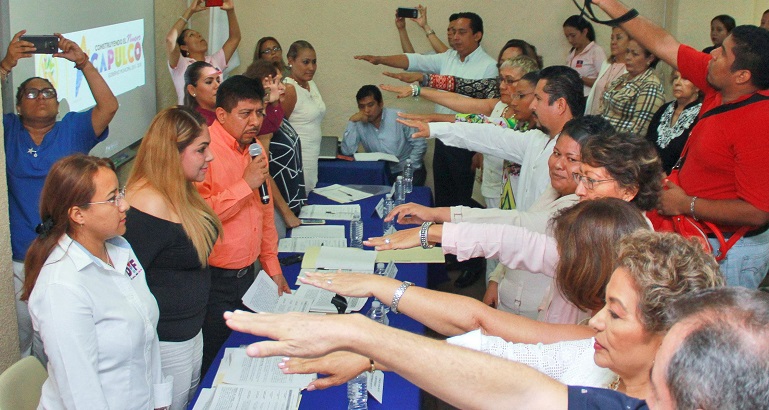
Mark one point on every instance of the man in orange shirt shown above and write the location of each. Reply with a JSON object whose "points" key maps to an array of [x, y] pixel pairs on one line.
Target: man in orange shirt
{"points": [[230, 188]]}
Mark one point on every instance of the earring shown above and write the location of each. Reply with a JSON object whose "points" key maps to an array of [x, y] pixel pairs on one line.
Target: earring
{"points": [[194, 95], [290, 66]]}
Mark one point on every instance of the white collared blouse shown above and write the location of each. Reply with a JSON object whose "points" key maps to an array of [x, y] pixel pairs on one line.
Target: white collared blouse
{"points": [[98, 326]]}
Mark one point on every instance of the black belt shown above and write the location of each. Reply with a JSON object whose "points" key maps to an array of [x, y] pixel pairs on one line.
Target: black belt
{"points": [[231, 273], [748, 234]]}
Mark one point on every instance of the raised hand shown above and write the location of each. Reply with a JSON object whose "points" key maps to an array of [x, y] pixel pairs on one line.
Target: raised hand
{"points": [[339, 366], [71, 51], [405, 239], [406, 77], [357, 285], [403, 91], [412, 213], [17, 49], [423, 130], [371, 59]]}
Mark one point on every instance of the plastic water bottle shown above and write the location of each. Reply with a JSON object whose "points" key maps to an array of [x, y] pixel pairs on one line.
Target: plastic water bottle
{"points": [[378, 313], [388, 206], [357, 393], [408, 177], [380, 269], [400, 194], [356, 233], [357, 388]]}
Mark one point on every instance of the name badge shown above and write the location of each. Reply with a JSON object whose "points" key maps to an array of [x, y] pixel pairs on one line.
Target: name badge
{"points": [[133, 269], [579, 63]]}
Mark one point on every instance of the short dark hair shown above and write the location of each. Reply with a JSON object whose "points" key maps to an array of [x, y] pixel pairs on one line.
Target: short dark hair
{"points": [[726, 20], [476, 22], [261, 69], [238, 88], [580, 23], [527, 49], [582, 128], [180, 42], [369, 91], [23, 86], [297, 46], [723, 362], [564, 82], [751, 52], [532, 77], [631, 161]]}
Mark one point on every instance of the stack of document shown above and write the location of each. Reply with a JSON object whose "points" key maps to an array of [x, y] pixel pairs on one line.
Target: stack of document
{"points": [[244, 382], [303, 237], [330, 212], [342, 194], [375, 156]]}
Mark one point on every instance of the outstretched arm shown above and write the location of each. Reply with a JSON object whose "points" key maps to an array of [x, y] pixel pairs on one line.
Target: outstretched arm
{"points": [[106, 103], [447, 313], [433, 365], [233, 39], [395, 61], [171, 47], [651, 36]]}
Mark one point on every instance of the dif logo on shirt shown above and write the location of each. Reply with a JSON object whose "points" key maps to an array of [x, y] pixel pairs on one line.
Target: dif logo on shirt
{"points": [[133, 269]]}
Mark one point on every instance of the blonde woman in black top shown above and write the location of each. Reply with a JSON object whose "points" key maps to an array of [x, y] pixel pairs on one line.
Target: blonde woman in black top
{"points": [[172, 231]]}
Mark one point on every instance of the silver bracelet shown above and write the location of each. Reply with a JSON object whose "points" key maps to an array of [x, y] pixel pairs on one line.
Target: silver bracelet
{"points": [[186, 21], [423, 235], [691, 208], [429, 32], [397, 296]]}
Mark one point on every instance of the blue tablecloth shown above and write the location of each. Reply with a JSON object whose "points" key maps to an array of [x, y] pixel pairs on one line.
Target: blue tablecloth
{"points": [[398, 392], [339, 171]]}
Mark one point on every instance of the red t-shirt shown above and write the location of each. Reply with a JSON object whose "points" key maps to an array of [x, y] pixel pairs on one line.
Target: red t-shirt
{"points": [[728, 153]]}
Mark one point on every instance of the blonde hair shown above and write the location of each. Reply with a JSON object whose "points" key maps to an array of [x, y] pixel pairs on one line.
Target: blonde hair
{"points": [[158, 164]]}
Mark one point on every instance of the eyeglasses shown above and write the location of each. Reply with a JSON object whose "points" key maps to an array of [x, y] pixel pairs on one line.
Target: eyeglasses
{"points": [[507, 80], [275, 49], [589, 183], [116, 201], [32, 93], [519, 96]]}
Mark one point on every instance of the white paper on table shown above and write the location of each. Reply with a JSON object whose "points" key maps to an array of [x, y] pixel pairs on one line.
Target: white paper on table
{"points": [[342, 194], [204, 399], [375, 384], [224, 366], [263, 372], [262, 296], [300, 245], [229, 397], [303, 273], [322, 300], [380, 208], [324, 231], [354, 259], [330, 212], [375, 156]]}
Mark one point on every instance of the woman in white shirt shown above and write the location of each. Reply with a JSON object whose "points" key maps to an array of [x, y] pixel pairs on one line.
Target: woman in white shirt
{"points": [[304, 106], [88, 295]]}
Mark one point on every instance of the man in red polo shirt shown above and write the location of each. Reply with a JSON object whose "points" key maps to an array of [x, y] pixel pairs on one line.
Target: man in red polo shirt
{"points": [[725, 174]]}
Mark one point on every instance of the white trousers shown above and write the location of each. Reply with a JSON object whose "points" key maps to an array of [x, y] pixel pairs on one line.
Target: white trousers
{"points": [[183, 360]]}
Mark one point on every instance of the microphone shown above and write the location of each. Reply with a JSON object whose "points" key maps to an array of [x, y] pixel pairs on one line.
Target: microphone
{"points": [[255, 150]]}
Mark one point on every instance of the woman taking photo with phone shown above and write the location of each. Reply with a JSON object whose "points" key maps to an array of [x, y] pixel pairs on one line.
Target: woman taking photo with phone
{"points": [[88, 296], [172, 231]]}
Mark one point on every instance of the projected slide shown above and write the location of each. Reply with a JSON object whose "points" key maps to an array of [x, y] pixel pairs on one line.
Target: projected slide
{"points": [[115, 50]]}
